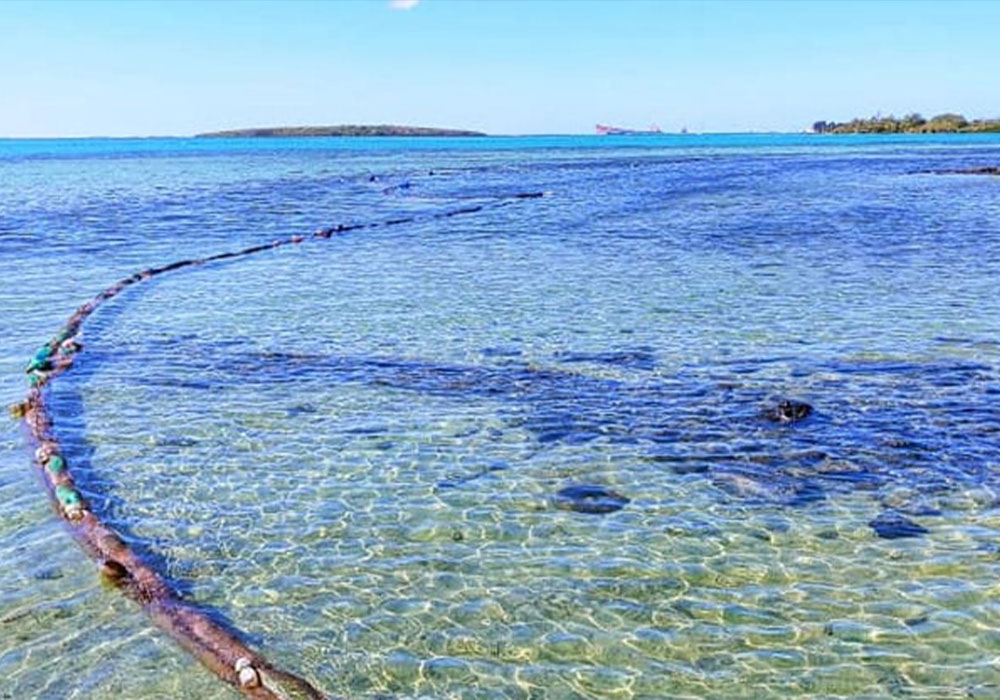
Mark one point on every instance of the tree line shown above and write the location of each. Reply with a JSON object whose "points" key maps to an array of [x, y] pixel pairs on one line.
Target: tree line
{"points": [[909, 124]]}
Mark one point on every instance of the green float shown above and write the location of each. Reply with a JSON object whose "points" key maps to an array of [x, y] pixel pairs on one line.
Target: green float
{"points": [[68, 497], [55, 464], [40, 360]]}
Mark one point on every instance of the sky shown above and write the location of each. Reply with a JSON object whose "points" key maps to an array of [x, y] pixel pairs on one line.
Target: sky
{"points": [[82, 68]]}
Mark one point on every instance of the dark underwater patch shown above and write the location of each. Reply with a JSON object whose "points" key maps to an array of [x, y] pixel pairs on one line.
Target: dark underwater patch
{"points": [[300, 409], [640, 358], [982, 170], [893, 526], [883, 423], [588, 498], [501, 351]]}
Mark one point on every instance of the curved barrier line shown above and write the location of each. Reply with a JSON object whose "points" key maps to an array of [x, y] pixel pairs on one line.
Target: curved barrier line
{"points": [[218, 649]]}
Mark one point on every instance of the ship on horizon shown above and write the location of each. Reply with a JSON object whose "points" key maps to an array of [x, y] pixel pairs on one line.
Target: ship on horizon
{"points": [[605, 130]]}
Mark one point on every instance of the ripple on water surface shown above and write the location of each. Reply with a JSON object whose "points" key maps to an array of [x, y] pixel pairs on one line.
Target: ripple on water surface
{"points": [[360, 451]]}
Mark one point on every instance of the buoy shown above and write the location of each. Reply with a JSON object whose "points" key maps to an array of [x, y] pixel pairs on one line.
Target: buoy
{"points": [[45, 451], [246, 673], [35, 363], [70, 500], [55, 464], [40, 360]]}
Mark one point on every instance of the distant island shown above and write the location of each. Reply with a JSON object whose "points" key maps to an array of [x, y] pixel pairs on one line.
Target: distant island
{"points": [[341, 130], [910, 124]]}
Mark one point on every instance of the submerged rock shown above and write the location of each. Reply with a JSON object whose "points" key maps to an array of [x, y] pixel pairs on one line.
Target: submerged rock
{"points": [[972, 171], [892, 526], [48, 573], [587, 498], [789, 411]]}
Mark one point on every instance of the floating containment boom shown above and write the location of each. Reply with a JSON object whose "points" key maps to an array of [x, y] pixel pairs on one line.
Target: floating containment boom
{"points": [[218, 649]]}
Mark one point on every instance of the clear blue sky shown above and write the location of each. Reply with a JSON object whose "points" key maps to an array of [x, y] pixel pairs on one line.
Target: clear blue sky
{"points": [[519, 66]]}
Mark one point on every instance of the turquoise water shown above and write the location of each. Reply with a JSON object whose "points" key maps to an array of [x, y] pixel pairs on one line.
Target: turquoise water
{"points": [[351, 449]]}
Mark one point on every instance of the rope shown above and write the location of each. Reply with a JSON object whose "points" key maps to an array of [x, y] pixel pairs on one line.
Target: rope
{"points": [[219, 650]]}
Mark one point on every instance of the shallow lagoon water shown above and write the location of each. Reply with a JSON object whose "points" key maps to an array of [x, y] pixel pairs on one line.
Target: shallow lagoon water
{"points": [[351, 450]]}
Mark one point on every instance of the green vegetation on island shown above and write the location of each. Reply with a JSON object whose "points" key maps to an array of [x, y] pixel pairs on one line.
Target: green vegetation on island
{"points": [[910, 124], [342, 130]]}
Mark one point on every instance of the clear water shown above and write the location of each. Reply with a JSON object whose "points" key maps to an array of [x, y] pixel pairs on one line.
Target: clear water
{"points": [[350, 449]]}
